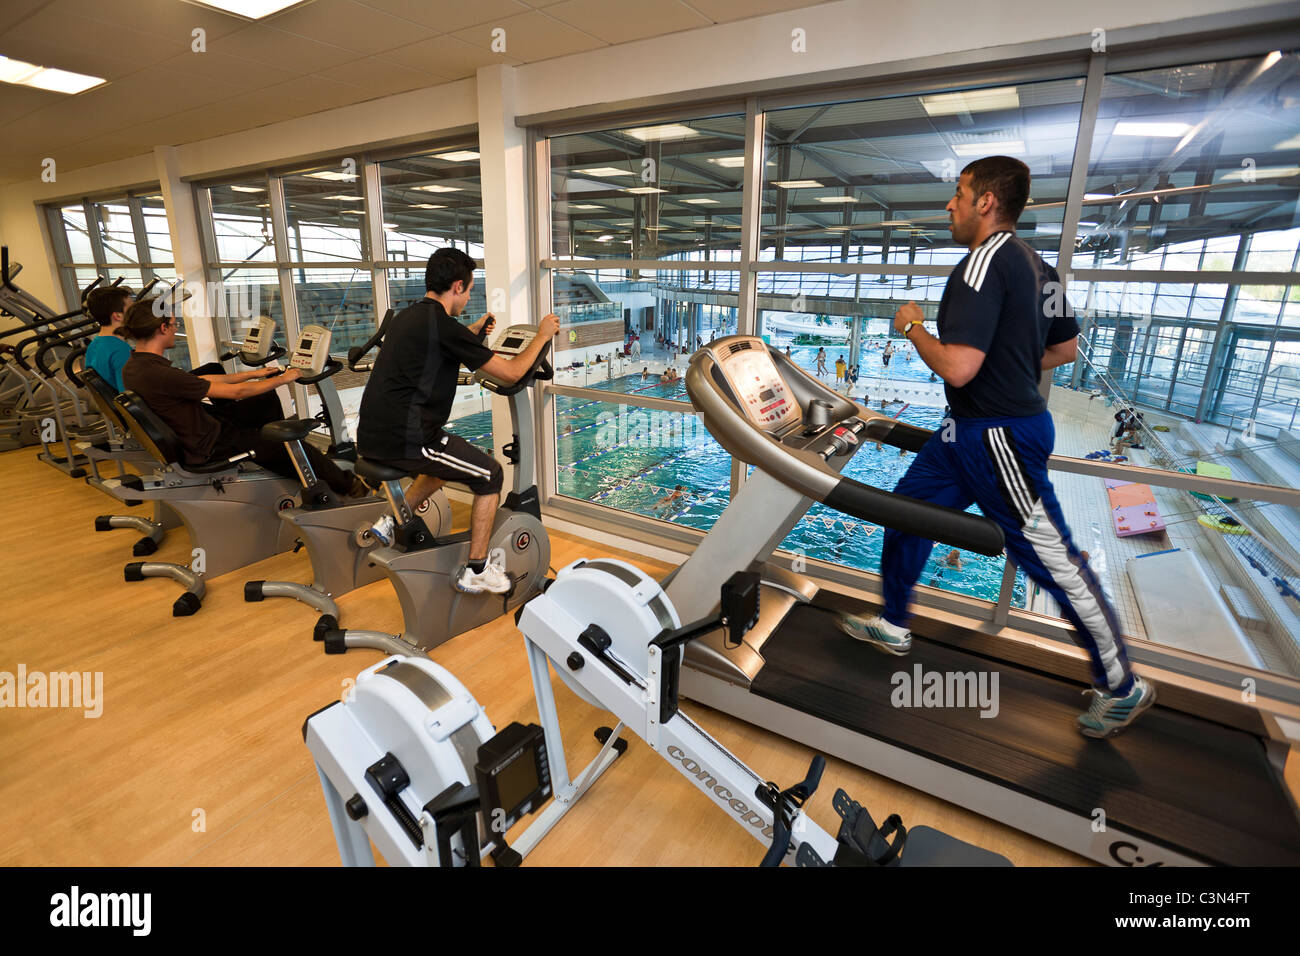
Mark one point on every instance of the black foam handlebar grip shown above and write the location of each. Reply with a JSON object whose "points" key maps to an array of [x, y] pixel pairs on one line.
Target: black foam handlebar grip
{"points": [[913, 516]]}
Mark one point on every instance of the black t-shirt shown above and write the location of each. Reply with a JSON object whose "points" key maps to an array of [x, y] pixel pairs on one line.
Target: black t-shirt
{"points": [[1004, 300], [410, 391], [175, 396]]}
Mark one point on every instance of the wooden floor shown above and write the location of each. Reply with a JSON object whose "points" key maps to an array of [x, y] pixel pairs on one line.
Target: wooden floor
{"points": [[198, 756]]}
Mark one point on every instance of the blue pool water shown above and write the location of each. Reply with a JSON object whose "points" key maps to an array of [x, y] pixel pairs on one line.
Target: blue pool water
{"points": [[633, 459]]}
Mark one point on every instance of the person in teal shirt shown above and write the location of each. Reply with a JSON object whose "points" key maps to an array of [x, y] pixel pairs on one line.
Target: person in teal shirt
{"points": [[108, 351]]}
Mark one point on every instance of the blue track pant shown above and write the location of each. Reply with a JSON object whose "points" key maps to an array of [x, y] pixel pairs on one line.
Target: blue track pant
{"points": [[1000, 464]]}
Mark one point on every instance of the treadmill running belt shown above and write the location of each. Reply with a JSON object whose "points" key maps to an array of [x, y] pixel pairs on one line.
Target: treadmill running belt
{"points": [[1188, 783]]}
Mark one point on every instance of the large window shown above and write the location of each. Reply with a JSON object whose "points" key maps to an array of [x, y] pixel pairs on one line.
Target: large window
{"points": [[123, 239], [339, 244], [1179, 250]]}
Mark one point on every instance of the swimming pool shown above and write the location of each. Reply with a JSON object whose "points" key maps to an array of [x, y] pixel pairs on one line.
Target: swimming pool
{"points": [[634, 459]]}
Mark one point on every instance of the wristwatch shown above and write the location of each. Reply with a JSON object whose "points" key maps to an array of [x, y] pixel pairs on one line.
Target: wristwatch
{"points": [[908, 328]]}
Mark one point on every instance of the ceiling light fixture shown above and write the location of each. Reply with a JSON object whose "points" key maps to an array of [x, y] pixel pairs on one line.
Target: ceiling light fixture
{"points": [[645, 190], [797, 183], [603, 171], [457, 156], [1006, 147], [1151, 129], [438, 188], [248, 189], [649, 134], [701, 202], [972, 101], [22, 73], [247, 9]]}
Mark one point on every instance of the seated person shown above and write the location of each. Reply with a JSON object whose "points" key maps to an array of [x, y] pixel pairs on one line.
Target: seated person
{"points": [[408, 400], [209, 433], [108, 351]]}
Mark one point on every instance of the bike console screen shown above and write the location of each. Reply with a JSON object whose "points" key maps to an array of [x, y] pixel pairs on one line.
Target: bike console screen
{"points": [[759, 387]]}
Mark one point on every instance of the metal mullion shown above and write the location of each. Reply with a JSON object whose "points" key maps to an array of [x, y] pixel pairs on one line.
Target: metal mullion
{"points": [[751, 219], [623, 398], [538, 200], [373, 235], [1188, 276], [284, 270], [96, 240], [851, 268], [143, 259], [645, 265]]}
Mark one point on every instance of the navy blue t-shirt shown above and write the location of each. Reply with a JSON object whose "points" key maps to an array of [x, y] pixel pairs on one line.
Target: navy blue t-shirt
{"points": [[410, 391], [1004, 300]]}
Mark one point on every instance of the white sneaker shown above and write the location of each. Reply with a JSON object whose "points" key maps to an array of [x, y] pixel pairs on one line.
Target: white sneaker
{"points": [[383, 530], [492, 578]]}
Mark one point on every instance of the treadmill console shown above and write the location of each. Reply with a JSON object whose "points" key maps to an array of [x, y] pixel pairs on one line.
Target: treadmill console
{"points": [[313, 350], [759, 388], [259, 338]]}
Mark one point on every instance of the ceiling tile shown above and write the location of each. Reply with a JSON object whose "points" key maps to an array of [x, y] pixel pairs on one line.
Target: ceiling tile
{"points": [[160, 18], [723, 11], [110, 50], [447, 16], [618, 21], [532, 36], [16, 101], [447, 56], [15, 10], [237, 73], [379, 76], [351, 26], [266, 44]]}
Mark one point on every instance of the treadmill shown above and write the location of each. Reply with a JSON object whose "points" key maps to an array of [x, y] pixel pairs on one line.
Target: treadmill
{"points": [[1200, 785]]}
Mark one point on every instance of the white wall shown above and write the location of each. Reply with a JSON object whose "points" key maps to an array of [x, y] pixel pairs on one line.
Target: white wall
{"points": [[847, 35]]}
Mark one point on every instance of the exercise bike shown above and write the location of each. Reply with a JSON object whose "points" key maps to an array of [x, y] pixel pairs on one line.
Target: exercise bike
{"points": [[422, 567], [335, 531]]}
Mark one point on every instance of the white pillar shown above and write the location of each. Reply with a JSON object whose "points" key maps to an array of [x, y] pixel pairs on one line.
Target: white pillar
{"points": [[187, 252], [503, 168]]}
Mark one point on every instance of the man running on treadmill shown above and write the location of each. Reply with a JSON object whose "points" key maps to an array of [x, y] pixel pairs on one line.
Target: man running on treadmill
{"points": [[408, 400], [1002, 322]]}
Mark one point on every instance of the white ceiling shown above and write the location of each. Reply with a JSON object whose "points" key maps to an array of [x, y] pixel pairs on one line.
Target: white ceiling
{"points": [[324, 54]]}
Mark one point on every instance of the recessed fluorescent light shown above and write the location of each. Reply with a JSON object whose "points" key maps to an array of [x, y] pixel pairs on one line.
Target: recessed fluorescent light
{"points": [[22, 73], [1098, 195], [797, 183], [264, 205], [1292, 143], [427, 205], [655, 228], [247, 9], [351, 212], [343, 198], [603, 171], [645, 190], [654, 133], [729, 162], [1150, 129], [1263, 172], [836, 199], [390, 225], [332, 176], [605, 238], [1006, 147], [700, 202], [248, 189], [437, 188], [457, 156], [1047, 228], [584, 206], [972, 101], [893, 222]]}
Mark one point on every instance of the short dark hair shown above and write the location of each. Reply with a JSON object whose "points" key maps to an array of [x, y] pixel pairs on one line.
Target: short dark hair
{"points": [[102, 303], [143, 321], [446, 267], [1006, 178]]}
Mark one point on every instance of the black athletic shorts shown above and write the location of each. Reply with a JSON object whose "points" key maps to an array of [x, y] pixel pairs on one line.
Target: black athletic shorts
{"points": [[452, 458]]}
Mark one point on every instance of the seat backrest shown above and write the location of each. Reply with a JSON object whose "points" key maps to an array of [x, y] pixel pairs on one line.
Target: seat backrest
{"points": [[101, 393], [149, 430]]}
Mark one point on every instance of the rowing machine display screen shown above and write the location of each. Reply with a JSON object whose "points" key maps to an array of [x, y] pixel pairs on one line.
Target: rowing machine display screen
{"points": [[514, 777]]}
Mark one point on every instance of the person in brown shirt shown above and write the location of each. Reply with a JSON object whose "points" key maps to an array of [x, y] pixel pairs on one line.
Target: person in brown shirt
{"points": [[241, 403]]}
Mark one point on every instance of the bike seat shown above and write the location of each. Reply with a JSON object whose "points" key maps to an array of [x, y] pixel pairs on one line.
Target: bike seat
{"points": [[293, 429], [376, 473]]}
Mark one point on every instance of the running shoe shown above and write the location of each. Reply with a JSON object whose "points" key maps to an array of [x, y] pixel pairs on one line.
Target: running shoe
{"points": [[383, 530], [876, 631], [492, 578], [1108, 714]]}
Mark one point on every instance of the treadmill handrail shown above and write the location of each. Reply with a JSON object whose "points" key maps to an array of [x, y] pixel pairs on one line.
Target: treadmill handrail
{"points": [[807, 473]]}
